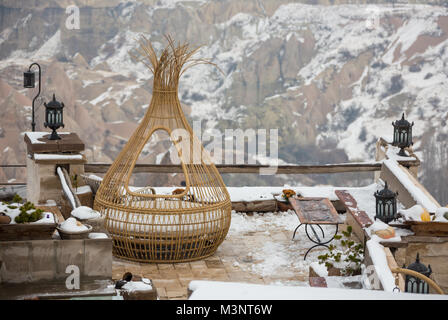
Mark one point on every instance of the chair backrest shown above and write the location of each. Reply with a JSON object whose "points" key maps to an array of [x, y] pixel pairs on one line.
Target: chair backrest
{"points": [[93, 181], [69, 192]]}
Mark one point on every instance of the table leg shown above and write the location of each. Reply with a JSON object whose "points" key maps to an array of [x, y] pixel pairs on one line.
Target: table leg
{"points": [[319, 242], [293, 236]]}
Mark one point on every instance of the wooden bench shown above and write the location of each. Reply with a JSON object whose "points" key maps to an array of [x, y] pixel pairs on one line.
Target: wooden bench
{"points": [[315, 211]]}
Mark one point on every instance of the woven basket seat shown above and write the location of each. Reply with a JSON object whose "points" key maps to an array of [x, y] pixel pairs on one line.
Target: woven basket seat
{"points": [[147, 227]]}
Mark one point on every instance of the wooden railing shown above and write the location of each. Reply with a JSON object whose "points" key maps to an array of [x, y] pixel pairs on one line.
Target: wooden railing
{"points": [[226, 168], [231, 168]]}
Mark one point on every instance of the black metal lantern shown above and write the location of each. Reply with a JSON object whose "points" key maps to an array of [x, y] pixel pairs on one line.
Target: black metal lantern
{"points": [[29, 82], [53, 117], [414, 284], [386, 205], [28, 79], [402, 135]]}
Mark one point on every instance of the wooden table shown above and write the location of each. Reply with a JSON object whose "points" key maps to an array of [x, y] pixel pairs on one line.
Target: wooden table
{"points": [[315, 211]]}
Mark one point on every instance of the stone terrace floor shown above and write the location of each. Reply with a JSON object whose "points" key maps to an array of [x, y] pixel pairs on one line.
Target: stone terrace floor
{"points": [[258, 249]]}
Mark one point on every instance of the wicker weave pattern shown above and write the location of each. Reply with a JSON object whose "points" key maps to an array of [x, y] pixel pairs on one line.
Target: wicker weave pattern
{"points": [[147, 227]]}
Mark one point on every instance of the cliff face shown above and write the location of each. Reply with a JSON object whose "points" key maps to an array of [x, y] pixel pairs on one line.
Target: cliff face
{"points": [[330, 76]]}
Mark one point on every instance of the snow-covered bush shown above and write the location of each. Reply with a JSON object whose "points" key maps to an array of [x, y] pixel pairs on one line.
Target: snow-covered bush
{"points": [[346, 254]]}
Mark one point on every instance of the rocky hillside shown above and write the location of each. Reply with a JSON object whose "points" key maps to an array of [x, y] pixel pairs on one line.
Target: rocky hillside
{"points": [[330, 76]]}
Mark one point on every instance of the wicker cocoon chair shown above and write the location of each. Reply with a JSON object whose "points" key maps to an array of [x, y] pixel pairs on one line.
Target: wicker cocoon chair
{"points": [[147, 227]]}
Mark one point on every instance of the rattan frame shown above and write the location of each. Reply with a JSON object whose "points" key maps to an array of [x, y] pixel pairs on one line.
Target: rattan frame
{"points": [[147, 227]]}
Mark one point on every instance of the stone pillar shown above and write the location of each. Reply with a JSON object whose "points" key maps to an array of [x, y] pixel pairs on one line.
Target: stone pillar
{"points": [[43, 156]]}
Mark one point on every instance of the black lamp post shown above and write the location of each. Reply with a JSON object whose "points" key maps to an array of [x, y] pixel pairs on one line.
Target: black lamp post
{"points": [[28, 82], [402, 135], [53, 117], [414, 284], [386, 205]]}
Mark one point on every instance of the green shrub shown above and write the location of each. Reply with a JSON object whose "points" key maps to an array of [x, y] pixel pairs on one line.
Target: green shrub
{"points": [[350, 253], [17, 198], [25, 217]]}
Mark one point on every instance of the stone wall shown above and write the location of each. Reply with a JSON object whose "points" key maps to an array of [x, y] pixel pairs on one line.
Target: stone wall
{"points": [[47, 260], [432, 250]]}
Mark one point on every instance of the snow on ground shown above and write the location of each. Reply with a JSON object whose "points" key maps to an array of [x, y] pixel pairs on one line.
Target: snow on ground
{"points": [[214, 290], [272, 250], [417, 194], [365, 194]]}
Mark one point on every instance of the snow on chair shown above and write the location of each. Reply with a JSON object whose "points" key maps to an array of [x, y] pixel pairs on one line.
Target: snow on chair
{"points": [[147, 227], [67, 188]]}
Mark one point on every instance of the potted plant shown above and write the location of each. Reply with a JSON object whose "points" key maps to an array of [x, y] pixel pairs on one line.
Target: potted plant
{"points": [[288, 193], [25, 221]]}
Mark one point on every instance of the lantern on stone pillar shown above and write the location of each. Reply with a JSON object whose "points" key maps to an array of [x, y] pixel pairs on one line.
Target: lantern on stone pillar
{"points": [[54, 117], [414, 284], [386, 205], [402, 135]]}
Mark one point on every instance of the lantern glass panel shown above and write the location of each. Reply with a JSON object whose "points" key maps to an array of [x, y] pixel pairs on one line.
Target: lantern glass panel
{"points": [[405, 137], [28, 79]]}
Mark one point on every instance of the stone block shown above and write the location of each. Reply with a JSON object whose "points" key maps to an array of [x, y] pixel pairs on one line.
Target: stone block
{"points": [[161, 293], [50, 183], [177, 293], [182, 266], [437, 249], [45, 170], [197, 264], [358, 231], [42, 256], [214, 264], [70, 252], [166, 266], [15, 261], [149, 268], [98, 258], [442, 281], [167, 283], [439, 265], [319, 282], [400, 256], [169, 274], [413, 249], [139, 295]]}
